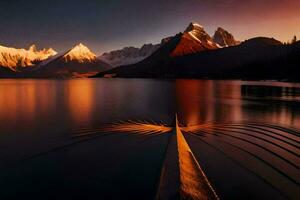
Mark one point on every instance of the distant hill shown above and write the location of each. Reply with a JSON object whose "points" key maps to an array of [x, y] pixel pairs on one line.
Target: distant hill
{"points": [[262, 41]]}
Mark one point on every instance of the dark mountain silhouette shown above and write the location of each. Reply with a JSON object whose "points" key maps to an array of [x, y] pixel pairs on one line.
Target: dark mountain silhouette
{"points": [[262, 41], [257, 58]]}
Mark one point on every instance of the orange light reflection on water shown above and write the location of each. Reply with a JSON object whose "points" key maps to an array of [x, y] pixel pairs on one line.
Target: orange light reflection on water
{"points": [[25, 99], [80, 99]]}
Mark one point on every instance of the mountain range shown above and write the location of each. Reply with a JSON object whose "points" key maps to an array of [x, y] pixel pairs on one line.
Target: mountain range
{"points": [[16, 59], [79, 61], [193, 39], [192, 53], [129, 55]]}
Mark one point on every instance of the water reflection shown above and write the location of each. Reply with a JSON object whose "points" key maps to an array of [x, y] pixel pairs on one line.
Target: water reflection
{"points": [[205, 101], [200, 101], [80, 99], [38, 115], [276, 103], [75, 102], [23, 101]]}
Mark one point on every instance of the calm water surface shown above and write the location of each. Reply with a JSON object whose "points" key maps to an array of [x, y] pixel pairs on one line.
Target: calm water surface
{"points": [[253, 149]]}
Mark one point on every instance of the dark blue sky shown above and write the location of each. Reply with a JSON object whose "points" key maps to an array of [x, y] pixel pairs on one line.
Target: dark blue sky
{"points": [[111, 24]]}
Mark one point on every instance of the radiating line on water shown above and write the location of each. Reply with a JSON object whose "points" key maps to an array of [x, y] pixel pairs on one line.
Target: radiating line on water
{"points": [[275, 141], [277, 182]]}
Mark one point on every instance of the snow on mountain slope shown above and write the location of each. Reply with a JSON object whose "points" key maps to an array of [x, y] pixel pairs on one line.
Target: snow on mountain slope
{"points": [[198, 33], [129, 55], [191, 43], [13, 58], [79, 53], [79, 61], [194, 39]]}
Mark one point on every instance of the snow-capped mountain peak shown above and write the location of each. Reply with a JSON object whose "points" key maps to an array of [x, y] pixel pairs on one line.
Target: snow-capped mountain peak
{"points": [[13, 58], [79, 61], [198, 33], [195, 30], [193, 26], [79, 53]]}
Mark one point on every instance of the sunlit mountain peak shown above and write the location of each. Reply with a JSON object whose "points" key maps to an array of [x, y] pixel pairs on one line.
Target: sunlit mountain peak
{"points": [[13, 58], [33, 48], [196, 25], [198, 33], [79, 53]]}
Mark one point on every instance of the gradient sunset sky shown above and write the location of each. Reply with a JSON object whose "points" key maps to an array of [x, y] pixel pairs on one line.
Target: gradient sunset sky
{"points": [[105, 25]]}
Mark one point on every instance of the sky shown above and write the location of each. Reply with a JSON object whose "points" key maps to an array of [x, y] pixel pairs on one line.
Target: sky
{"points": [[105, 25]]}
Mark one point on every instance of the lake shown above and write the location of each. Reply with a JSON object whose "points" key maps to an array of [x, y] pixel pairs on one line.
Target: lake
{"points": [[245, 137]]}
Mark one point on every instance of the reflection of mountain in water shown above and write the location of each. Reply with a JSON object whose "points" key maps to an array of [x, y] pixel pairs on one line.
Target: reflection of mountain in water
{"points": [[219, 101], [206, 101]]}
